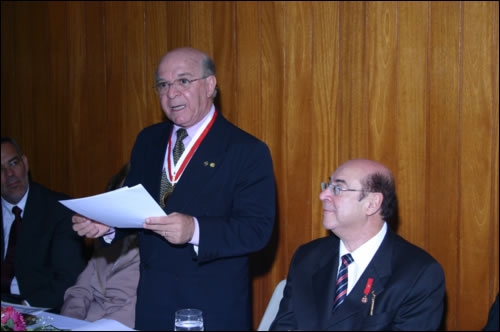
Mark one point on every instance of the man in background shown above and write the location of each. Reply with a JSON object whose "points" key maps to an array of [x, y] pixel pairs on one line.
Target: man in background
{"points": [[366, 277], [41, 255]]}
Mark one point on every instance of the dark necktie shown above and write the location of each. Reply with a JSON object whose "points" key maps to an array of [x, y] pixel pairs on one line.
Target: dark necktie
{"points": [[341, 290], [166, 187], [8, 263], [179, 146]]}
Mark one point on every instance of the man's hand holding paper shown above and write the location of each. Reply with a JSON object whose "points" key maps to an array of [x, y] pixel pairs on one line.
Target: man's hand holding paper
{"points": [[124, 207], [88, 228], [177, 228]]}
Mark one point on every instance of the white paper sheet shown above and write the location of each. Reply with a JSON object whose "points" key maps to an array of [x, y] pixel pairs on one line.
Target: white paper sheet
{"points": [[104, 325], [125, 207]]}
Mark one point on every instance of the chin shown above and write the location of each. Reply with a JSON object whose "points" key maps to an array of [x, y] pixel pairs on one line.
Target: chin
{"points": [[329, 224]]}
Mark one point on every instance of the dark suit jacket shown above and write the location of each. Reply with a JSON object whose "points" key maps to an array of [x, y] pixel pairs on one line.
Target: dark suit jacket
{"points": [[234, 202], [408, 284], [49, 254], [492, 323]]}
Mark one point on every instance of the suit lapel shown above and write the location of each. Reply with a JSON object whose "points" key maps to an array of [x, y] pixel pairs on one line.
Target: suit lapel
{"points": [[156, 155], [209, 153], [325, 277], [32, 223]]}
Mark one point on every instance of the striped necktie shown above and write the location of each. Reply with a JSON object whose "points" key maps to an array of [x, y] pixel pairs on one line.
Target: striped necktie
{"points": [[341, 289]]}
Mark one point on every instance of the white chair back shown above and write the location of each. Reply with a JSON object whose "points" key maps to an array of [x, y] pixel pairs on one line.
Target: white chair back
{"points": [[272, 307]]}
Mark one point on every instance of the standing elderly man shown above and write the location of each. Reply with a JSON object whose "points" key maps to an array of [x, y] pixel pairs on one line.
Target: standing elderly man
{"points": [[216, 184], [41, 255], [366, 277]]}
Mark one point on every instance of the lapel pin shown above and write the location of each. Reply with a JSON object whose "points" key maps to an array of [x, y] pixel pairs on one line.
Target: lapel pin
{"points": [[368, 287], [212, 165], [205, 163], [373, 303]]}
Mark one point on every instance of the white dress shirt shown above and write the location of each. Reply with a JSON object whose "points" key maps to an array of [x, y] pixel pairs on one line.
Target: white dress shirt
{"points": [[362, 257]]}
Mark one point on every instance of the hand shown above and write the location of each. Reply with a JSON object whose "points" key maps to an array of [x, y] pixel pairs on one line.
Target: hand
{"points": [[176, 228], [87, 227]]}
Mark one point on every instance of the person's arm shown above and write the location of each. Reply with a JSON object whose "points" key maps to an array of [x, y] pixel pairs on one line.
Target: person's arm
{"points": [[78, 297], [248, 225], [66, 259], [423, 306], [121, 288]]}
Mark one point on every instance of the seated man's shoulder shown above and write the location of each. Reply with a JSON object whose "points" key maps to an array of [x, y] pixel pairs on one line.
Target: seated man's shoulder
{"points": [[403, 249], [317, 246], [49, 194], [46, 202]]}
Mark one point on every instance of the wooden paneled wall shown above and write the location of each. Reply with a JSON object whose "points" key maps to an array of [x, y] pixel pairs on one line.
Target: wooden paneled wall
{"points": [[411, 84]]}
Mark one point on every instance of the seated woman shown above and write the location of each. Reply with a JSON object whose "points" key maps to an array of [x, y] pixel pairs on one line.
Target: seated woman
{"points": [[107, 288]]}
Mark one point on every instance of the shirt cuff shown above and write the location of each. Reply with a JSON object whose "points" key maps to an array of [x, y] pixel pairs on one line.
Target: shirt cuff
{"points": [[196, 235], [109, 236]]}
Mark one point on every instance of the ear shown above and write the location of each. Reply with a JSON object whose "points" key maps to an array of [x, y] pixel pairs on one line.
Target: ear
{"points": [[25, 161], [211, 84], [374, 201]]}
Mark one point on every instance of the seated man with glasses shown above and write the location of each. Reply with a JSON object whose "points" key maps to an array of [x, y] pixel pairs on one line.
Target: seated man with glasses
{"points": [[366, 277]]}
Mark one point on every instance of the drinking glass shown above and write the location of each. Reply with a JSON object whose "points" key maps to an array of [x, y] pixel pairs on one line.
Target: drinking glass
{"points": [[188, 320]]}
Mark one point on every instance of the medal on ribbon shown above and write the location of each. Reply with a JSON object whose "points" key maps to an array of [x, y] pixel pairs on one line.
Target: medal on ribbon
{"points": [[368, 287]]}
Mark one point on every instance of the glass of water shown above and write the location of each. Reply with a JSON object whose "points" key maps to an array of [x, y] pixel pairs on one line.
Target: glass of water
{"points": [[188, 320]]}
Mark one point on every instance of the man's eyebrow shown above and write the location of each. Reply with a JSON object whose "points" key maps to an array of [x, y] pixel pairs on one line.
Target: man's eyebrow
{"points": [[12, 159], [184, 74], [181, 75], [340, 181]]}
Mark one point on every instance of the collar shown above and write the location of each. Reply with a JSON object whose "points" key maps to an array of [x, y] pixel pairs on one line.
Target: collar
{"points": [[364, 254], [191, 131]]}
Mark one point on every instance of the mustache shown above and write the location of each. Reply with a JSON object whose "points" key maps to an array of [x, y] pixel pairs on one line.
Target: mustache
{"points": [[328, 207], [12, 180]]}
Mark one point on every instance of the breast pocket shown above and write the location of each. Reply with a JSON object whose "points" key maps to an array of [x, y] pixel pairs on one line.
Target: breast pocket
{"points": [[377, 322]]}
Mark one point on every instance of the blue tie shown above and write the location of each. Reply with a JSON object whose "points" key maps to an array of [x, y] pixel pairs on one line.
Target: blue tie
{"points": [[341, 290]]}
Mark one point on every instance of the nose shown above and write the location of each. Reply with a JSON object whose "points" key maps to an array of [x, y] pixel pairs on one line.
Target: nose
{"points": [[9, 171], [172, 91], [324, 194]]}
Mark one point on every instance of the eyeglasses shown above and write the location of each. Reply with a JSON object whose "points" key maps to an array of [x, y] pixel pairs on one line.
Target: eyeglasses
{"points": [[181, 84], [336, 189]]}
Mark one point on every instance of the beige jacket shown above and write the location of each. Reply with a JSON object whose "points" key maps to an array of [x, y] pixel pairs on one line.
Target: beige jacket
{"points": [[107, 288]]}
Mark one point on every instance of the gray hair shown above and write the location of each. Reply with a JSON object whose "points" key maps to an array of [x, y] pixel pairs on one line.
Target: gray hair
{"points": [[208, 69], [6, 139]]}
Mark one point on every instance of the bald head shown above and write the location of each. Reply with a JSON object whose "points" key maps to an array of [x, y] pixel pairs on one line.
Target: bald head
{"points": [[366, 166], [190, 55], [188, 84], [374, 177]]}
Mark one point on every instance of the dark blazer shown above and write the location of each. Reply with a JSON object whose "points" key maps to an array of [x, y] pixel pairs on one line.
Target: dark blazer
{"points": [[408, 284], [234, 202], [49, 254], [492, 323]]}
